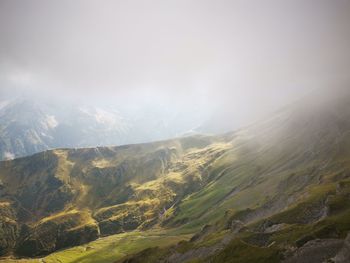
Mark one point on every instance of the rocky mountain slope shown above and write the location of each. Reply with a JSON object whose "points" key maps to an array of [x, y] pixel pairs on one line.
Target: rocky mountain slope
{"points": [[276, 191], [61, 198], [28, 126]]}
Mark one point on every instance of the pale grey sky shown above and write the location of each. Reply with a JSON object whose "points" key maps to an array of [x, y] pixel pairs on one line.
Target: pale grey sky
{"points": [[236, 58]]}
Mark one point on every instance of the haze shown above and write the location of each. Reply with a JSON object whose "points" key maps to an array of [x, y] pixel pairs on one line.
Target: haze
{"points": [[231, 61]]}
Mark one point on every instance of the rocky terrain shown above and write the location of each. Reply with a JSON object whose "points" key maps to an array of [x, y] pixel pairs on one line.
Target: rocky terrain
{"points": [[61, 198], [29, 126], [275, 191]]}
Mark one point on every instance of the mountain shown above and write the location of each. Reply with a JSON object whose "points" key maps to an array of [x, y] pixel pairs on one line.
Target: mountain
{"points": [[29, 126], [74, 196], [275, 191]]}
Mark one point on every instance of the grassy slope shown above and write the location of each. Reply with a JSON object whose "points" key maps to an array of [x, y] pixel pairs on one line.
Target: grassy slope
{"points": [[285, 176], [294, 175], [111, 248], [93, 183]]}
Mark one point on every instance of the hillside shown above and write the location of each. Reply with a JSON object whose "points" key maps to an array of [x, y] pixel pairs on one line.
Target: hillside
{"points": [[280, 194], [276, 191], [61, 198]]}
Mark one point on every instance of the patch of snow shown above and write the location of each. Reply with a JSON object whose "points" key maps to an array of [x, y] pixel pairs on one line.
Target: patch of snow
{"points": [[102, 116], [45, 135], [51, 121], [105, 117], [9, 156], [109, 120]]}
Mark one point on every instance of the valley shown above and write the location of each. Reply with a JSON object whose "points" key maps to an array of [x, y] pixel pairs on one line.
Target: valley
{"points": [[274, 191]]}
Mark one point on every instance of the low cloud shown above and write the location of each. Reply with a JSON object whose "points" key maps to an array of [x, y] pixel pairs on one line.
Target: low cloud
{"points": [[234, 59]]}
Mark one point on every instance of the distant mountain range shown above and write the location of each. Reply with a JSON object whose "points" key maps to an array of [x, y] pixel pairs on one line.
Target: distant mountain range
{"points": [[275, 191], [28, 126]]}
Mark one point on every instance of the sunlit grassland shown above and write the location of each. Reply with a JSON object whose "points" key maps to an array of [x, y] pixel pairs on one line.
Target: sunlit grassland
{"points": [[112, 248]]}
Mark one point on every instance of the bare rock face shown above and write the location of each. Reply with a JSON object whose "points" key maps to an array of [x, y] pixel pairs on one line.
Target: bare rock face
{"points": [[343, 255], [236, 226], [275, 228], [316, 251], [205, 231]]}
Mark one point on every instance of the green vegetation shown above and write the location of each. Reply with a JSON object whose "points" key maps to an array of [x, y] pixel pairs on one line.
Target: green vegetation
{"points": [[112, 248], [256, 195], [240, 252]]}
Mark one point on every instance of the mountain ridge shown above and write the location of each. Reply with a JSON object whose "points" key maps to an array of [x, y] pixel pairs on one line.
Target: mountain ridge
{"points": [[28, 126], [274, 191]]}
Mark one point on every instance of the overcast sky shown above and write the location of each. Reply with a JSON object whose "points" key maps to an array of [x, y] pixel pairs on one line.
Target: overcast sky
{"points": [[237, 58]]}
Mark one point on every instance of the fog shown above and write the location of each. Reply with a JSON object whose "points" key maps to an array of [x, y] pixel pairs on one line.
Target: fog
{"points": [[231, 61]]}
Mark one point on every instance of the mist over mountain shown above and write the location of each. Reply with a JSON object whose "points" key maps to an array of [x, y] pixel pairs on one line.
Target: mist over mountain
{"points": [[178, 131], [234, 61], [275, 191], [30, 125]]}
